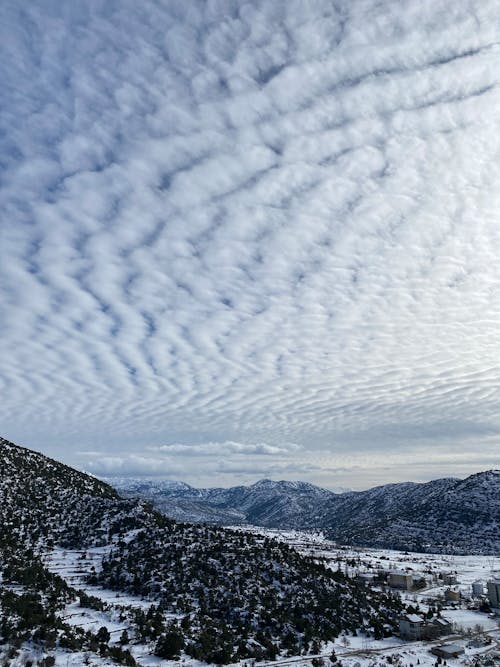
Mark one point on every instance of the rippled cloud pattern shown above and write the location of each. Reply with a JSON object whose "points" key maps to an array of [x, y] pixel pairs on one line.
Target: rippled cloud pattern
{"points": [[250, 238]]}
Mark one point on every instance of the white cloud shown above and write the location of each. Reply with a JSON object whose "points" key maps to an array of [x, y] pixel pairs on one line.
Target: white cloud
{"points": [[227, 448], [132, 464], [251, 223]]}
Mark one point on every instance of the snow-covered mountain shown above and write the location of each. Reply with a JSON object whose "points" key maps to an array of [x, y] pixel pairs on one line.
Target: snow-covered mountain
{"points": [[449, 515], [213, 594], [265, 503]]}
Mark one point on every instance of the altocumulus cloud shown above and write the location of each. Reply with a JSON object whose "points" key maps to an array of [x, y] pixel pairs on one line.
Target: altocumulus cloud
{"points": [[252, 222]]}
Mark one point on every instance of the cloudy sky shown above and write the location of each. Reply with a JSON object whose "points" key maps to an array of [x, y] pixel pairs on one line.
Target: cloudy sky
{"points": [[252, 239]]}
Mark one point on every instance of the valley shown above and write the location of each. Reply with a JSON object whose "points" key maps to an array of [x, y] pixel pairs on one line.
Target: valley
{"points": [[477, 632], [193, 591], [89, 577]]}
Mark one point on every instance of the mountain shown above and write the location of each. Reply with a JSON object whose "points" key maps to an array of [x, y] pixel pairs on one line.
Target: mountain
{"points": [[202, 591], [444, 515], [265, 503]]}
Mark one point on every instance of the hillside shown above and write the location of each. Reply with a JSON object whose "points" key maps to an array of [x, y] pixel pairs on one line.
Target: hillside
{"points": [[188, 577], [43, 502], [447, 515]]}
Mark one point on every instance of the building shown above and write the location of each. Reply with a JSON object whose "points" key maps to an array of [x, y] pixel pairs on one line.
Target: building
{"points": [[410, 627], [443, 626], [494, 592], [448, 650], [365, 577], [449, 579], [413, 627], [477, 588], [400, 579], [452, 594], [419, 581]]}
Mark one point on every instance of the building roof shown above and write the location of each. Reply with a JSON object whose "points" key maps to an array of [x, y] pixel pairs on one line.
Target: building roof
{"points": [[441, 621], [451, 648], [400, 573], [413, 618]]}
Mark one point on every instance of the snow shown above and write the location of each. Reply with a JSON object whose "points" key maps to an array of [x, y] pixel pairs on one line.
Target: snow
{"points": [[413, 618], [468, 619], [62, 658], [469, 569], [74, 565], [362, 652], [353, 651]]}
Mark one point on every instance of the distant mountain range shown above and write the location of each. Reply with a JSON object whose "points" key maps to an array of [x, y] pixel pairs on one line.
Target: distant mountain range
{"points": [[265, 503], [445, 515]]}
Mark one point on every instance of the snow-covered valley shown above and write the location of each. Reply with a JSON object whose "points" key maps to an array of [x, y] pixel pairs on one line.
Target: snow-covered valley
{"points": [[478, 633]]}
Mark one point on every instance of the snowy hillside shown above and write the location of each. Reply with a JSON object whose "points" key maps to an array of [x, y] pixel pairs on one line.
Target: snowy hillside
{"points": [[179, 590], [447, 515]]}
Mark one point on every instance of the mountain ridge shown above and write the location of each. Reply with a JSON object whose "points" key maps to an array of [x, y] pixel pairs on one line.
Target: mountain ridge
{"points": [[459, 515]]}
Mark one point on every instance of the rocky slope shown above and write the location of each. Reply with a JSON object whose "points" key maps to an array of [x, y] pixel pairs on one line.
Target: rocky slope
{"points": [[44, 502]]}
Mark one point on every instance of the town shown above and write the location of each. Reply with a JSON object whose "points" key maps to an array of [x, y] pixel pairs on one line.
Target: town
{"points": [[454, 601]]}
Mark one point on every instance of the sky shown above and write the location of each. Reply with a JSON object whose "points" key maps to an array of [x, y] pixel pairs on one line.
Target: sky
{"points": [[252, 239]]}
